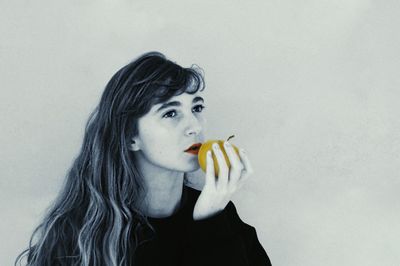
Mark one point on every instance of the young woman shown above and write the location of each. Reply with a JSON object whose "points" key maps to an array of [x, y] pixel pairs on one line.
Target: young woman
{"points": [[126, 199]]}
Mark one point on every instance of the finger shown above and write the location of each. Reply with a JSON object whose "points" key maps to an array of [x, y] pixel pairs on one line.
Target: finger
{"points": [[223, 173], [248, 168], [210, 172], [236, 165]]}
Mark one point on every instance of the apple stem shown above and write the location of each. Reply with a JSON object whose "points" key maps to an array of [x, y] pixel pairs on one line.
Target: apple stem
{"points": [[230, 137]]}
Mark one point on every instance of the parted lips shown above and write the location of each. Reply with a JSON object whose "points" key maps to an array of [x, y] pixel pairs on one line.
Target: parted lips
{"points": [[194, 147]]}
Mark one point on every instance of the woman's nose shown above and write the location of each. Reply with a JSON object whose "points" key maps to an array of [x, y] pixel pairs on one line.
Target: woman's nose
{"points": [[194, 126]]}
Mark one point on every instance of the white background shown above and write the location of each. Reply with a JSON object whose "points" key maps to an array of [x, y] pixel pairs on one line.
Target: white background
{"points": [[309, 88]]}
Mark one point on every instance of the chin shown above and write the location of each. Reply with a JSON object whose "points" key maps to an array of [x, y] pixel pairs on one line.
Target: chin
{"points": [[192, 167]]}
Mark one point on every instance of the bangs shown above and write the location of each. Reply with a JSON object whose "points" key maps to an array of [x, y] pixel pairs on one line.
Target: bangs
{"points": [[182, 80]]}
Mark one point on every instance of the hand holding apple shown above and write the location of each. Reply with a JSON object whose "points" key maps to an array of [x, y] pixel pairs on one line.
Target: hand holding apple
{"points": [[217, 192], [206, 146]]}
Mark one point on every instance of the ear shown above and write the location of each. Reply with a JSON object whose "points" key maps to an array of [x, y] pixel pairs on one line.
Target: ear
{"points": [[134, 145]]}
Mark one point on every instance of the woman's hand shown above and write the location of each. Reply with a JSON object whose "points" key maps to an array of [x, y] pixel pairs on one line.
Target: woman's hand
{"points": [[217, 192]]}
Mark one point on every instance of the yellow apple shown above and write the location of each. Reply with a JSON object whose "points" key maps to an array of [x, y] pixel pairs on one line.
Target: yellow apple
{"points": [[206, 146]]}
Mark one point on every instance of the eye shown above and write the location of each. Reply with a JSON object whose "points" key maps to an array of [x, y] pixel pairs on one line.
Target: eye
{"points": [[202, 107], [168, 114], [198, 109]]}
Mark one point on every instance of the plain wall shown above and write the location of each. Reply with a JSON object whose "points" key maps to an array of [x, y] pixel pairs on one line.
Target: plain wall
{"points": [[309, 88]]}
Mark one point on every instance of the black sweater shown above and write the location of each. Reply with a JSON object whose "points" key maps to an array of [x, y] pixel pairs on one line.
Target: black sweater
{"points": [[223, 239]]}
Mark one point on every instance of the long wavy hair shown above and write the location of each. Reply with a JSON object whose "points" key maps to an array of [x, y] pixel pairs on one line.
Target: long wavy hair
{"points": [[95, 219]]}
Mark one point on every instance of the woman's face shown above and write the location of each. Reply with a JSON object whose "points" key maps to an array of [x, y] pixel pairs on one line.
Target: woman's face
{"points": [[170, 128]]}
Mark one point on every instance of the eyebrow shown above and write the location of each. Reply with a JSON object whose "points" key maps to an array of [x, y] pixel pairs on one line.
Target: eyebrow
{"points": [[176, 103]]}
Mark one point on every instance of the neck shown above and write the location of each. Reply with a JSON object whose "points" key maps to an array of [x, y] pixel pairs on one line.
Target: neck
{"points": [[163, 190]]}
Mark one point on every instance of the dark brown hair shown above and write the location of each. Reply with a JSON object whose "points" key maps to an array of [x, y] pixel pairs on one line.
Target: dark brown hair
{"points": [[95, 219]]}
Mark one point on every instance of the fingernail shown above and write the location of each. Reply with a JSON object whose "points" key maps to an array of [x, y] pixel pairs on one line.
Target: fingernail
{"points": [[216, 146]]}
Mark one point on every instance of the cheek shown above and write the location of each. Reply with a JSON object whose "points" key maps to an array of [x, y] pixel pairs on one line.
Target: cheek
{"points": [[160, 146], [161, 142], [164, 155], [162, 151]]}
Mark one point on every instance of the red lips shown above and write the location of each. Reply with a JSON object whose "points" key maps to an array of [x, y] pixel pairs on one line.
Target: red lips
{"points": [[194, 149]]}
